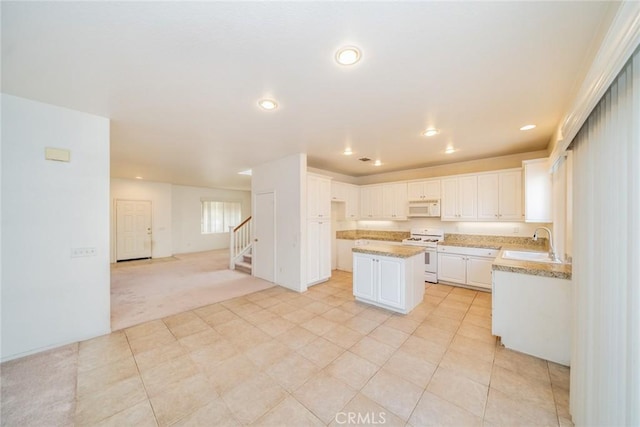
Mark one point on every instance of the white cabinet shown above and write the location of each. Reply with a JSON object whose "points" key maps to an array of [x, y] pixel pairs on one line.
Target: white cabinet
{"points": [[371, 202], [466, 266], [318, 251], [350, 195], [394, 201], [344, 259], [459, 198], [389, 282], [419, 191], [500, 196], [537, 191], [318, 196]]}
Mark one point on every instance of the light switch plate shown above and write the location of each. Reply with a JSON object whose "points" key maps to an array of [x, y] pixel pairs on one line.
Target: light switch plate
{"points": [[82, 252], [57, 154]]}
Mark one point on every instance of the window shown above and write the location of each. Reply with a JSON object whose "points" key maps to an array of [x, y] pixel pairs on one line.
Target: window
{"points": [[217, 217]]}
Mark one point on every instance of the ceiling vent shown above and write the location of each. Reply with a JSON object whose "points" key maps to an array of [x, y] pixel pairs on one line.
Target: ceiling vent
{"points": [[364, 159]]}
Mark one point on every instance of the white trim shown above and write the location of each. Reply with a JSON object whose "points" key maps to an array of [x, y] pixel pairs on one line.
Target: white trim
{"points": [[621, 41]]}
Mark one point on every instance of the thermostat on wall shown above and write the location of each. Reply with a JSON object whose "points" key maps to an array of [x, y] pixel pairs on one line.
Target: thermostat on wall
{"points": [[57, 154]]}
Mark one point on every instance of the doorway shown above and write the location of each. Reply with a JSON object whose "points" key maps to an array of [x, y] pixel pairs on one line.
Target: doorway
{"points": [[133, 229], [264, 244]]}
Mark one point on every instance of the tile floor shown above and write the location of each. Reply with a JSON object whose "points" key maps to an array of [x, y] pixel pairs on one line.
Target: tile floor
{"points": [[278, 358]]}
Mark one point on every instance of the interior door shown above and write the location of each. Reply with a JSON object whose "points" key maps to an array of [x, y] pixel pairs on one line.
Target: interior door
{"points": [[133, 229], [264, 244]]}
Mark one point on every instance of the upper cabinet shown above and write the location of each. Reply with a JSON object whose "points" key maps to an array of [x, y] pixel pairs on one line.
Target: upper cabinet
{"points": [[537, 191], [318, 196], [459, 198], [350, 195], [419, 191], [500, 196], [394, 201], [371, 201]]}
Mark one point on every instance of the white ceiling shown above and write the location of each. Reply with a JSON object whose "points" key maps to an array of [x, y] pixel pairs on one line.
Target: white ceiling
{"points": [[180, 80]]}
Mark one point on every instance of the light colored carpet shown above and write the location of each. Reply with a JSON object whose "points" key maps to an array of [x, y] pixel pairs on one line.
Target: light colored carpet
{"points": [[153, 289]]}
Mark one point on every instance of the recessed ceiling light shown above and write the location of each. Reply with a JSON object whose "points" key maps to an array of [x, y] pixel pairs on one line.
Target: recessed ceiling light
{"points": [[268, 104], [377, 163], [528, 127], [247, 172], [348, 55], [347, 152], [450, 150], [138, 177], [431, 132]]}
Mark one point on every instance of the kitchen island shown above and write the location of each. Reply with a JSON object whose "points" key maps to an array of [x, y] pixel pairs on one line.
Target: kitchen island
{"points": [[389, 276]]}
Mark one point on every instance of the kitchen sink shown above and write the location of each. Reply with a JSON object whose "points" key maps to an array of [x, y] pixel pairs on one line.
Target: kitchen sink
{"points": [[529, 256]]}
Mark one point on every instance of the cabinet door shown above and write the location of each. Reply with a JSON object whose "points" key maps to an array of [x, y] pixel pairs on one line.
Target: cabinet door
{"points": [[344, 260], [324, 198], [452, 268], [468, 197], [324, 249], [391, 282], [537, 191], [313, 251], [510, 189], [488, 197], [394, 198], [363, 276], [339, 191], [366, 203], [449, 203], [415, 191], [432, 190], [352, 208], [376, 201], [479, 272], [313, 199], [401, 201]]}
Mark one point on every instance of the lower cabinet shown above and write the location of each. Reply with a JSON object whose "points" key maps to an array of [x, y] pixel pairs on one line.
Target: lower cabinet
{"points": [[389, 282], [318, 251], [466, 266]]}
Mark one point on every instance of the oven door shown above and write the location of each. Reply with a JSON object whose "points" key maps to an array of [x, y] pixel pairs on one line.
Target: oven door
{"points": [[430, 261]]}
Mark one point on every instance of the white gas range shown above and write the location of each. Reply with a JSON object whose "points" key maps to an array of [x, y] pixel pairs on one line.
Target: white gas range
{"points": [[428, 238]]}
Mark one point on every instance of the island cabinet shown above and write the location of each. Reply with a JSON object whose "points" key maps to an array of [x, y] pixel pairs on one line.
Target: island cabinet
{"points": [[388, 281]]}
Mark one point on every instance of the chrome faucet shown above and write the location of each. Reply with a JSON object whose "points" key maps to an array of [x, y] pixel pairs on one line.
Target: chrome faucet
{"points": [[552, 251]]}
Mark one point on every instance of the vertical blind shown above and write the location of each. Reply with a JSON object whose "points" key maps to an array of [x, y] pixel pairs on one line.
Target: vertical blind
{"points": [[217, 217], [605, 364]]}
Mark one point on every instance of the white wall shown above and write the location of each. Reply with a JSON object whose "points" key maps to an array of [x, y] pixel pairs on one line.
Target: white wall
{"points": [[186, 217], [287, 178], [160, 195], [48, 298]]}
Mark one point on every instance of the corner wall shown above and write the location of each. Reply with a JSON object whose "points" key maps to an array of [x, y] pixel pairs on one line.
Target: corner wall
{"points": [[48, 207]]}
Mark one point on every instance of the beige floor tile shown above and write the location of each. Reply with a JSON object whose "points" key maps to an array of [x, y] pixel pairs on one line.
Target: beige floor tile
{"points": [[435, 411], [389, 336], [289, 412], [482, 301], [449, 302], [103, 350], [459, 390], [424, 349], [260, 317], [376, 314], [145, 329], [522, 364], [181, 399], [480, 310], [220, 317], [353, 370], [299, 316], [139, 415], [449, 312], [353, 307], [158, 355], [402, 323], [565, 422], [210, 309], [267, 302], [393, 392], [233, 328], [152, 341], [444, 323], [97, 379], [318, 307], [165, 375], [361, 324], [249, 338], [373, 350], [321, 352], [292, 371], [252, 398], [468, 298], [319, 325], [109, 401], [231, 372], [180, 319], [433, 334], [362, 411], [296, 337], [282, 308], [208, 357], [469, 366], [268, 353], [474, 348], [276, 326], [559, 375], [505, 410], [337, 315], [189, 328], [215, 413], [474, 319], [245, 310], [477, 333], [561, 397], [324, 395], [525, 388], [411, 368], [199, 340], [343, 336]]}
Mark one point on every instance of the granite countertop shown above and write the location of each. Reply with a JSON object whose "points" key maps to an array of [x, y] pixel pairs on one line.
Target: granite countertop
{"points": [[557, 271], [394, 251], [382, 235]]}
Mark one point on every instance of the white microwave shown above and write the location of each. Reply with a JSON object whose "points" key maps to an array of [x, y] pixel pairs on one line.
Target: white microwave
{"points": [[424, 209]]}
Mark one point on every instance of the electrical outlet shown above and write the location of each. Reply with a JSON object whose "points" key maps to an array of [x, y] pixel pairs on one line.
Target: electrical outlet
{"points": [[82, 252]]}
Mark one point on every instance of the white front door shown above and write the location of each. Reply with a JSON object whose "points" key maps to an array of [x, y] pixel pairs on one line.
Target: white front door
{"points": [[133, 229], [264, 245]]}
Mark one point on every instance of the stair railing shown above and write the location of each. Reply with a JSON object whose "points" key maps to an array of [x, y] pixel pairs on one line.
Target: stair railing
{"points": [[239, 241]]}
